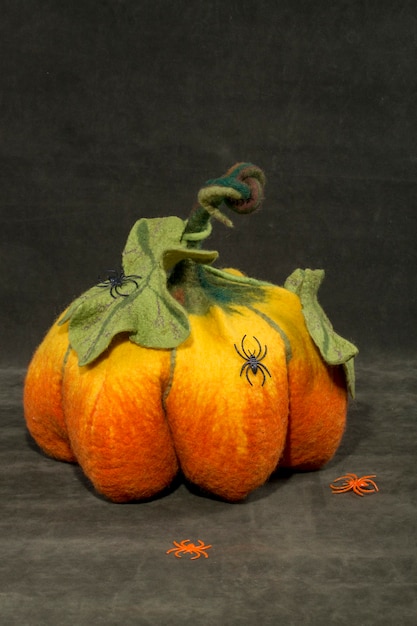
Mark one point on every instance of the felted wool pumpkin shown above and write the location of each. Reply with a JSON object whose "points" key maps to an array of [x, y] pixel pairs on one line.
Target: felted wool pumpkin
{"points": [[172, 365]]}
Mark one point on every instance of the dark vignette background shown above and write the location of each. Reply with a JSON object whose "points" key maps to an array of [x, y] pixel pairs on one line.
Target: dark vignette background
{"points": [[111, 110]]}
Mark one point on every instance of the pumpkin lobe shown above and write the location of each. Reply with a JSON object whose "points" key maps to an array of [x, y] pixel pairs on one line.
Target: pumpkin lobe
{"points": [[42, 399], [317, 391], [116, 421], [228, 425]]}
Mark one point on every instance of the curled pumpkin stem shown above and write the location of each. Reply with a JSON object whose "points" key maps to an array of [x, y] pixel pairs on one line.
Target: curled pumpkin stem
{"points": [[240, 189]]}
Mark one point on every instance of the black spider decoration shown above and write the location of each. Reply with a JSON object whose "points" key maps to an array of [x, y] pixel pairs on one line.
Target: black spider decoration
{"points": [[253, 361], [116, 280]]}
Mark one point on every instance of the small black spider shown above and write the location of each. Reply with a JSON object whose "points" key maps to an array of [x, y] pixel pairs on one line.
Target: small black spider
{"points": [[116, 280], [253, 361]]}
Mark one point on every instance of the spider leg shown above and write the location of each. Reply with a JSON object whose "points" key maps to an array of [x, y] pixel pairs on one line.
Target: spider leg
{"points": [[263, 368], [243, 348], [373, 490], [112, 289], [340, 489], [241, 355], [243, 367], [132, 280], [174, 549], [261, 358], [263, 374], [205, 553], [247, 373], [117, 290], [259, 348], [348, 483], [357, 489]]}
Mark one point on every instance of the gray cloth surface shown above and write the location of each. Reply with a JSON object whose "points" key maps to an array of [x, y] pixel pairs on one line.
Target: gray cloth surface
{"points": [[293, 553]]}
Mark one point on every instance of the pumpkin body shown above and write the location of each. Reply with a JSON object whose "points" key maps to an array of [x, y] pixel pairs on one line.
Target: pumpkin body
{"points": [[172, 365], [138, 415]]}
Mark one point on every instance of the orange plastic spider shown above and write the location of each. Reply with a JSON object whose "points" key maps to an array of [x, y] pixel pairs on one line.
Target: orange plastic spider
{"points": [[361, 486], [191, 548]]}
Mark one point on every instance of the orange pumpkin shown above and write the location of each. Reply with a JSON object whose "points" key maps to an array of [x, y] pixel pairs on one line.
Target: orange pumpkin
{"points": [[173, 365]]}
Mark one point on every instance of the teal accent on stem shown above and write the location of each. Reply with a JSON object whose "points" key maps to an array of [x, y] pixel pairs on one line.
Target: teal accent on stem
{"points": [[230, 179], [240, 189], [334, 349], [224, 289]]}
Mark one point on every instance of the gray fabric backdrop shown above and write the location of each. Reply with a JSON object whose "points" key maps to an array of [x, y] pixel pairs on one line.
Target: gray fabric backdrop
{"points": [[111, 110], [115, 110]]}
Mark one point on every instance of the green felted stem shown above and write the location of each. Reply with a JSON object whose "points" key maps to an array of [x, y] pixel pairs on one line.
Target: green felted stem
{"points": [[241, 189]]}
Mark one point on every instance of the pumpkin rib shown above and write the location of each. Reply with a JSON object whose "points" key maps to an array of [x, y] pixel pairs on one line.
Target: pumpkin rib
{"points": [[65, 359], [279, 330], [165, 394], [171, 377]]}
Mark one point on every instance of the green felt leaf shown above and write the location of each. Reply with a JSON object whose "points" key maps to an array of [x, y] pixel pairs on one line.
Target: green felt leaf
{"points": [[334, 349], [148, 312]]}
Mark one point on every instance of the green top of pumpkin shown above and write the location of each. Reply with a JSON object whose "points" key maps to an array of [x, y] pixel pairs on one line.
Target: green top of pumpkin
{"points": [[166, 275]]}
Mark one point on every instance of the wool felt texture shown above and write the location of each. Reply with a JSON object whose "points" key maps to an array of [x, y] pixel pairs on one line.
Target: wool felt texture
{"points": [[176, 365]]}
